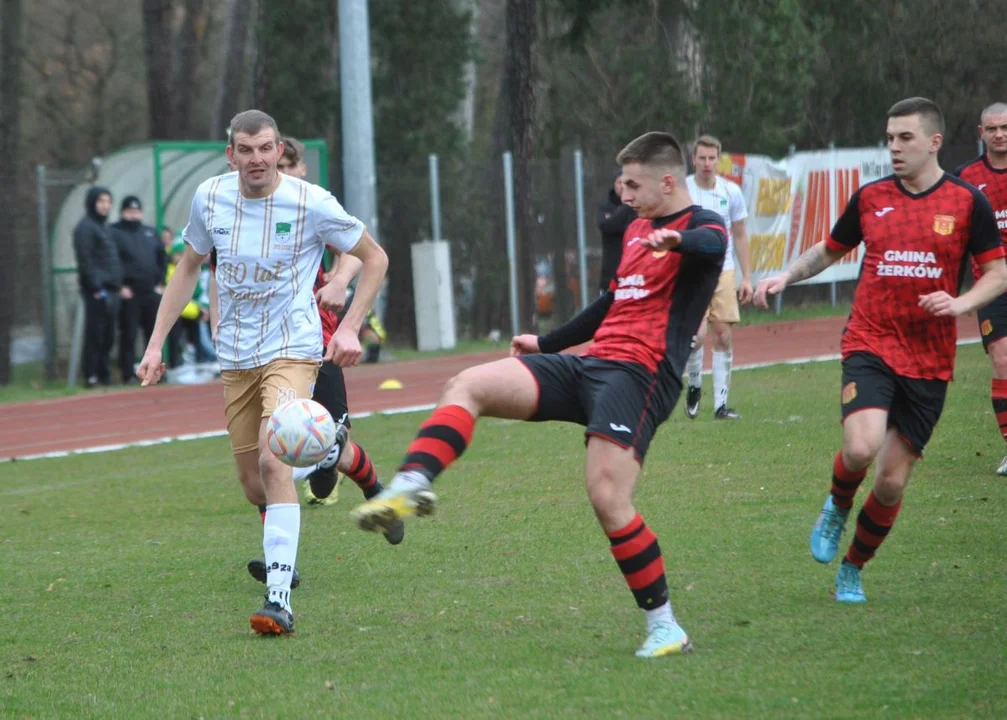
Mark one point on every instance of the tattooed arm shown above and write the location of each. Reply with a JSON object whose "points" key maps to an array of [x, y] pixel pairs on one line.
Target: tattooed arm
{"points": [[810, 263]]}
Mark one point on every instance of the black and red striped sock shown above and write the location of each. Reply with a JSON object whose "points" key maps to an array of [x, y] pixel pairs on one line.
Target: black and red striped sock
{"points": [[999, 396], [873, 525], [845, 482], [362, 472], [262, 512], [441, 440], [638, 555]]}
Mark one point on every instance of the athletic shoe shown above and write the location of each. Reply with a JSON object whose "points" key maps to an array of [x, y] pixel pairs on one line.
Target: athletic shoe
{"points": [[407, 495], [272, 619], [396, 532], [665, 638], [848, 587], [1002, 470], [257, 569], [692, 402], [726, 413], [333, 496], [828, 529]]}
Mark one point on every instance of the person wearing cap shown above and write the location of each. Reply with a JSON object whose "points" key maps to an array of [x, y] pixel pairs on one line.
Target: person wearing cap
{"points": [[144, 263]]}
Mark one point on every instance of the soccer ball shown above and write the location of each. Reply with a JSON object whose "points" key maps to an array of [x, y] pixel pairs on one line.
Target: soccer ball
{"points": [[300, 433]]}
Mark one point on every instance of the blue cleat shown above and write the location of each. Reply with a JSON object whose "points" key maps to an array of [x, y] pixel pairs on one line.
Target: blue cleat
{"points": [[827, 531], [848, 587]]}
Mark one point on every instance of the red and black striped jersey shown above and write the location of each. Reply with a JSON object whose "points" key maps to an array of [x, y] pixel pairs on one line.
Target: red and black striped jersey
{"points": [[915, 244], [993, 184], [661, 296]]}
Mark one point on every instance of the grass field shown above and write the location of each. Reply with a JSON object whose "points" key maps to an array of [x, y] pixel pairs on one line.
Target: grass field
{"points": [[126, 594]]}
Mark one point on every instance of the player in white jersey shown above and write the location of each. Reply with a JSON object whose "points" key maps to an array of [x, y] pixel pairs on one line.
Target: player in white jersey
{"points": [[713, 192], [269, 231]]}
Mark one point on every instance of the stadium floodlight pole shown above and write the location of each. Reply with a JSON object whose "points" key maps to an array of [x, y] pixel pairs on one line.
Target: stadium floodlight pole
{"points": [[508, 169], [359, 174], [435, 198], [578, 177]]}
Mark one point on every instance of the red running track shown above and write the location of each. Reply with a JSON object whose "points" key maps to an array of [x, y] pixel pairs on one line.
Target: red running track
{"points": [[131, 415]]}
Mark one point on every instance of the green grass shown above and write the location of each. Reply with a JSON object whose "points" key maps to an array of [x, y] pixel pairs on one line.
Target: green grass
{"points": [[753, 316], [27, 384], [126, 594]]}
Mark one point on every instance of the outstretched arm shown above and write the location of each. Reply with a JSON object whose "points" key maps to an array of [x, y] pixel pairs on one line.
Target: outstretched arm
{"points": [[815, 259], [575, 331]]}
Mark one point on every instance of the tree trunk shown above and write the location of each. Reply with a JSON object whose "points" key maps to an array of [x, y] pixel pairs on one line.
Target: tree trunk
{"points": [[232, 75], [519, 105], [157, 40], [186, 60], [260, 71], [11, 55]]}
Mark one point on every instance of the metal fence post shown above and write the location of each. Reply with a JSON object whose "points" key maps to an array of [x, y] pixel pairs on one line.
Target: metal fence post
{"points": [[508, 169], [45, 261], [435, 198], [578, 171]]}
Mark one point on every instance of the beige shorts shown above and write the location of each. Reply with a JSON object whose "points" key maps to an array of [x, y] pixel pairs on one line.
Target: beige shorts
{"points": [[724, 306], [251, 395]]}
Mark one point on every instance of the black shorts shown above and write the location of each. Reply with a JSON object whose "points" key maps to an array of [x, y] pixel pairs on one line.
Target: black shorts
{"points": [[330, 391], [993, 321], [619, 401], [914, 406]]}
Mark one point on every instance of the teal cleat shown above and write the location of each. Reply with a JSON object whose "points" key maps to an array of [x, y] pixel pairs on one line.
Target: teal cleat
{"points": [[827, 531], [666, 638], [848, 587]]}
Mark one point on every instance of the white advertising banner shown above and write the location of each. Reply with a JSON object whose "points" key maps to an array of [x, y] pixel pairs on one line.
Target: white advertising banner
{"points": [[793, 203]]}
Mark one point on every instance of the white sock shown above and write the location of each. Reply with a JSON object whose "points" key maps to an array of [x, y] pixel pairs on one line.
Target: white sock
{"points": [[695, 367], [721, 377], [279, 542], [661, 614], [408, 481], [302, 473]]}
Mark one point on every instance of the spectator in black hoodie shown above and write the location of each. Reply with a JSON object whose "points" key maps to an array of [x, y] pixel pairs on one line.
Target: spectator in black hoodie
{"points": [[144, 263], [100, 276], [613, 219]]}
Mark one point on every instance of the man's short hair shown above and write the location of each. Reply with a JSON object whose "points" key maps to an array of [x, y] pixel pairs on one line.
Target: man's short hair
{"points": [[654, 148], [293, 150], [929, 112], [997, 108], [251, 122], [706, 141]]}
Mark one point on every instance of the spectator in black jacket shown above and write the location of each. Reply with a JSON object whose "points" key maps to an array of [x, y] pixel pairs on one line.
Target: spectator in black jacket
{"points": [[100, 276], [144, 263], [613, 219]]}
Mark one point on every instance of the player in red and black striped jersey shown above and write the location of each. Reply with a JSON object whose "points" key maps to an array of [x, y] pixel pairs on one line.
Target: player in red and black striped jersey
{"points": [[917, 226], [621, 390], [988, 173]]}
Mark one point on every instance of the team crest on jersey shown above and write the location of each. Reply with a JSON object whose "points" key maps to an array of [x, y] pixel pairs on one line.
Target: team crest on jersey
{"points": [[282, 233], [986, 328], [944, 224], [849, 393]]}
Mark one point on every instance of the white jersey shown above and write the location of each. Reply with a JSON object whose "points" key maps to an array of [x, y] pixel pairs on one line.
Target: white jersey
{"points": [[725, 199], [268, 252]]}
